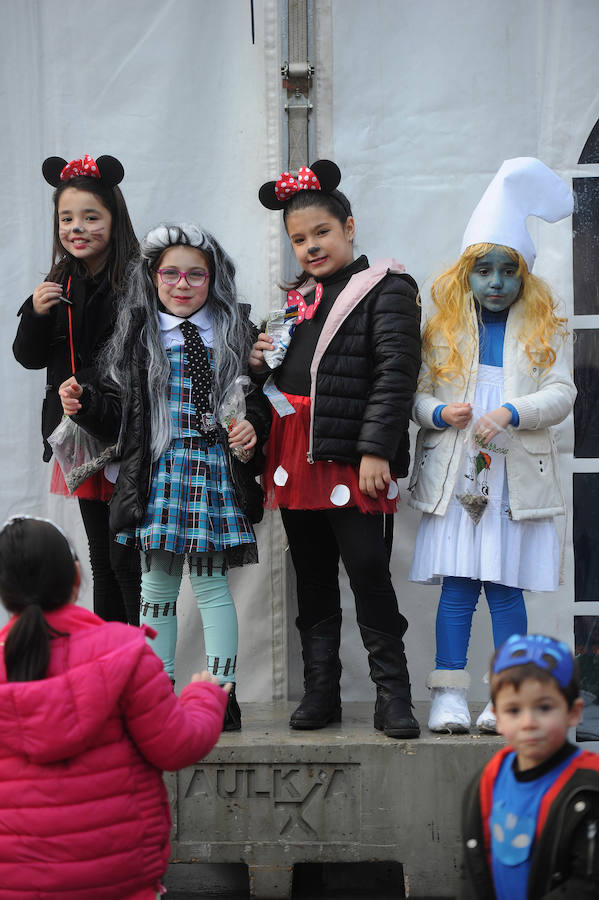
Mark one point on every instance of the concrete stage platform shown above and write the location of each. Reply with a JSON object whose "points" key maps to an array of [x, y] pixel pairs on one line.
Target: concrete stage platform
{"points": [[270, 798]]}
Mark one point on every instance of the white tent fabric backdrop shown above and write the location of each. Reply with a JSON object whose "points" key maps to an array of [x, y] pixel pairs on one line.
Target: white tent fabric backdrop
{"points": [[418, 103], [426, 102], [178, 93]]}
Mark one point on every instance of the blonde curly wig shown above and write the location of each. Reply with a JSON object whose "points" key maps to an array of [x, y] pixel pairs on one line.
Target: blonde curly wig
{"points": [[450, 332]]}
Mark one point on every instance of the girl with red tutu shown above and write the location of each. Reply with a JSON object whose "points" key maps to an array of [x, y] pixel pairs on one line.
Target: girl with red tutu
{"points": [[63, 326], [342, 397]]}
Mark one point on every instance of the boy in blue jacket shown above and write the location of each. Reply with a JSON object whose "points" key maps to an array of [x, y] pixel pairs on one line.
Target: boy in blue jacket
{"points": [[530, 818]]}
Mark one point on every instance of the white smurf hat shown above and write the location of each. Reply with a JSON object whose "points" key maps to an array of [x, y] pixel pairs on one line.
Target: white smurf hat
{"points": [[522, 187]]}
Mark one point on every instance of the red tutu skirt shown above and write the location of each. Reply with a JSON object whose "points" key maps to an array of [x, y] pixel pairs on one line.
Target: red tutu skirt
{"points": [[95, 488], [292, 482]]}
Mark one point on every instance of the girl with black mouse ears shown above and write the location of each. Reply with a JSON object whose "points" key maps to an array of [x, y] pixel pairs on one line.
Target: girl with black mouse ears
{"points": [[342, 398]]}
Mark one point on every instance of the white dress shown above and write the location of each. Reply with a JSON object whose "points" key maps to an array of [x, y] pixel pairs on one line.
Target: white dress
{"points": [[522, 554]]}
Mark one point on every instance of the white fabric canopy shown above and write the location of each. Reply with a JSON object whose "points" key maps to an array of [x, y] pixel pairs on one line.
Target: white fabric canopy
{"points": [[176, 90], [426, 101]]}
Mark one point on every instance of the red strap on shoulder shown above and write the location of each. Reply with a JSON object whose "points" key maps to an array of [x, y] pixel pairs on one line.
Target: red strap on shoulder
{"points": [[584, 760], [487, 780], [70, 317]]}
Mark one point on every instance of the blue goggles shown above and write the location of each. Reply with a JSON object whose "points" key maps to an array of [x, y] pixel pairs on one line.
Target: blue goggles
{"points": [[545, 652]]}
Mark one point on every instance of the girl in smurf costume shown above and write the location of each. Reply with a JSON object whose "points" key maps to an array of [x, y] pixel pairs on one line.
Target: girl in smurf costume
{"points": [[494, 377]]}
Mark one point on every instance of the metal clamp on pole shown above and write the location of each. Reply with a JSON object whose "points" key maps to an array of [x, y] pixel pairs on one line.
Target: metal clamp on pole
{"points": [[297, 77], [289, 107]]}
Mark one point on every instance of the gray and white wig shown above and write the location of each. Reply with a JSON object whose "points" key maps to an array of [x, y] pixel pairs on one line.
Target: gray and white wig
{"points": [[137, 331]]}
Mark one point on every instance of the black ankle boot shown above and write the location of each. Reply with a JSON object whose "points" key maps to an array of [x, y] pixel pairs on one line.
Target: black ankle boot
{"points": [[321, 702], [389, 671], [232, 713]]}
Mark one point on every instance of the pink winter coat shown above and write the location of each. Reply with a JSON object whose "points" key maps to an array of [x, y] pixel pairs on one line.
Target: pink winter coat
{"points": [[84, 813]]}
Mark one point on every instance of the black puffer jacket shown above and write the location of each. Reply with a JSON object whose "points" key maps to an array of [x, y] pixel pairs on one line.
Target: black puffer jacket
{"points": [[101, 416], [365, 368], [43, 341]]}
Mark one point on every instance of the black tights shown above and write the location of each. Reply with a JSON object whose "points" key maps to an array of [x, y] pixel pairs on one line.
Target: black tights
{"points": [[317, 538], [115, 568]]}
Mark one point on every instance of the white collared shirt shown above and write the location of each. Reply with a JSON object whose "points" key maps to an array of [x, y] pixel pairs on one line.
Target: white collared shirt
{"points": [[171, 332]]}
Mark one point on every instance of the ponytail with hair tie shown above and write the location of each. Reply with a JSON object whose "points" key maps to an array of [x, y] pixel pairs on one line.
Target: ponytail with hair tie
{"points": [[37, 575], [27, 647]]}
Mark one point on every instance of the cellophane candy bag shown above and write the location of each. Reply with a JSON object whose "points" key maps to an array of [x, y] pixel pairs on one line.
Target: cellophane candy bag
{"points": [[232, 410]]}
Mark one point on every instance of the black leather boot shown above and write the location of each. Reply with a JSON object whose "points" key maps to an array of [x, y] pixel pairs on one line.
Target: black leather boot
{"points": [[232, 720], [321, 702], [389, 671]]}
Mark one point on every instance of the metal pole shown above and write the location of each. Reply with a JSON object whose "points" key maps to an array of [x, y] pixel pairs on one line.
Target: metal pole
{"points": [[297, 73], [296, 151]]}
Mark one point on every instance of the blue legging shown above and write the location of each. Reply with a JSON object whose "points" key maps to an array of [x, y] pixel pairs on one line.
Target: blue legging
{"points": [[457, 603], [159, 591]]}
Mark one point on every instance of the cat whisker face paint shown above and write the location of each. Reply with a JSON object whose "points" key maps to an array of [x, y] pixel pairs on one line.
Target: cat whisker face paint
{"points": [[84, 227]]}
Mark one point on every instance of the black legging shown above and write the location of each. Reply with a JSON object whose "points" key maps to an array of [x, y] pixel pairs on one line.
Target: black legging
{"points": [[115, 568], [317, 538]]}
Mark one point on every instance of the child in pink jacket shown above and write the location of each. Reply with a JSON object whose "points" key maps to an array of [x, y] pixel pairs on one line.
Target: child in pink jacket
{"points": [[89, 721]]}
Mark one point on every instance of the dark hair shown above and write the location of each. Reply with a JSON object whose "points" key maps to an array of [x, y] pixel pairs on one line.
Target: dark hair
{"points": [[517, 675], [37, 574], [123, 243], [335, 203]]}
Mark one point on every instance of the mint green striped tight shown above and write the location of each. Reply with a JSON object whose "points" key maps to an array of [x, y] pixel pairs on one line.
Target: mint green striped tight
{"points": [[159, 591]]}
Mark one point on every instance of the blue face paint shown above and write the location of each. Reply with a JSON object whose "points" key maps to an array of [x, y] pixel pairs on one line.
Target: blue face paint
{"points": [[493, 280]]}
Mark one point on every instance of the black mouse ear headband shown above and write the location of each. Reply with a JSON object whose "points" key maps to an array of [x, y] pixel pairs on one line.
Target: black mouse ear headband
{"points": [[324, 175], [107, 169]]}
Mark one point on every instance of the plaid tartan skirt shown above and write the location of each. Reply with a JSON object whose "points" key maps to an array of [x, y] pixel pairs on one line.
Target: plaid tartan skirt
{"points": [[192, 508]]}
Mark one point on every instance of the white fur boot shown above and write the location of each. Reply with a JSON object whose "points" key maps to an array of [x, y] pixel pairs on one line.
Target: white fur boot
{"points": [[486, 722], [449, 709]]}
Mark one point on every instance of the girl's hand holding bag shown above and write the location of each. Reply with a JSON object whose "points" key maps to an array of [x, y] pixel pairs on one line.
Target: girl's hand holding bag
{"points": [[484, 441], [79, 454], [231, 411]]}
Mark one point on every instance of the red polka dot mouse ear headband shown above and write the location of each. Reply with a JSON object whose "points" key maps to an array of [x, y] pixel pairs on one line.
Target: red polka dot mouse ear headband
{"points": [[324, 175], [108, 169]]}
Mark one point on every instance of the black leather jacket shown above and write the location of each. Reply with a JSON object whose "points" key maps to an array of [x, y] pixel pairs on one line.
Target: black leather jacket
{"points": [[101, 416], [43, 341]]}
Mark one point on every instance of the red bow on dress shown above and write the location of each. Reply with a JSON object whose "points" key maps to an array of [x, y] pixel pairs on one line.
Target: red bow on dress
{"points": [[286, 185], [85, 166], [304, 310]]}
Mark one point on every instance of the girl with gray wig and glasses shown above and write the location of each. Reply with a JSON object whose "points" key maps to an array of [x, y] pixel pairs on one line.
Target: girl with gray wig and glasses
{"points": [[182, 495]]}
